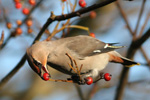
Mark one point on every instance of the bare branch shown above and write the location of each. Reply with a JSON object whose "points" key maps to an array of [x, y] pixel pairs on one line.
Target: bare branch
{"points": [[13, 72], [136, 44], [24, 20], [141, 40], [2, 39], [141, 12], [145, 23], [124, 17], [79, 91], [92, 92], [145, 56], [73, 14]]}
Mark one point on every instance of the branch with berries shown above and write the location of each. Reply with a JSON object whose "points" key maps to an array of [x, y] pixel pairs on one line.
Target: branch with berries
{"points": [[51, 19], [17, 31], [77, 78]]}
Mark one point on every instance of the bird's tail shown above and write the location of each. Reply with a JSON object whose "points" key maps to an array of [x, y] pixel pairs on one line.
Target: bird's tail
{"points": [[117, 58], [128, 63]]}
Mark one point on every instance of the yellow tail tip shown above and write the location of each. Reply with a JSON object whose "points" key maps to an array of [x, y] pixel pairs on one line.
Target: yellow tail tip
{"points": [[133, 65]]}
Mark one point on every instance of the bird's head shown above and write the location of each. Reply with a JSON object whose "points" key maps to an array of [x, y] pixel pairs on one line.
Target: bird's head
{"points": [[37, 59]]}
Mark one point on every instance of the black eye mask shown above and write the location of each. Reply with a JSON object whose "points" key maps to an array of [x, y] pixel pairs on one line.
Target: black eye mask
{"points": [[37, 63]]}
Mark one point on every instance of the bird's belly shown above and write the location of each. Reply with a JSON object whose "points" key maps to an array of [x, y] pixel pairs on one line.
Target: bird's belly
{"points": [[98, 62], [62, 63]]}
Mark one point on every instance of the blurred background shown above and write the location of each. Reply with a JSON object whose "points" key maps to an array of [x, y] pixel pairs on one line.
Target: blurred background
{"points": [[108, 25]]}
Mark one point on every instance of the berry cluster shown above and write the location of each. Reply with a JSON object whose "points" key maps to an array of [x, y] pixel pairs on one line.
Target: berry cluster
{"points": [[25, 10], [82, 3]]}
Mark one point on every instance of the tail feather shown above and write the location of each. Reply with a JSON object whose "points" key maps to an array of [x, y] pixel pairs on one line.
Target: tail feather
{"points": [[128, 62], [117, 58]]}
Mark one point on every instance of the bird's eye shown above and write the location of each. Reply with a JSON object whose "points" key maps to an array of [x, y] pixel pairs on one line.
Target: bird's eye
{"points": [[37, 63]]}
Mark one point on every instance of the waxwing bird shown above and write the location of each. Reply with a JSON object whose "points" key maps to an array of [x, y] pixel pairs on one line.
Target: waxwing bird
{"points": [[90, 52]]}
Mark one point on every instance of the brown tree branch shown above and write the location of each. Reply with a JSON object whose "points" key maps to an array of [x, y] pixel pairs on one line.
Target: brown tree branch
{"points": [[48, 22], [145, 56], [140, 15], [92, 91], [2, 39], [135, 45], [124, 17], [80, 93], [140, 41], [145, 23]]}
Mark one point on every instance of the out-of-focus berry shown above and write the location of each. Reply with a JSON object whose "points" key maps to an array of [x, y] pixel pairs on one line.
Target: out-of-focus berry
{"points": [[25, 11]]}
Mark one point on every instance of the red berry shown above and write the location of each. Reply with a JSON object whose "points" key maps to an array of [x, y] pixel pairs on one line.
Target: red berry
{"points": [[89, 80], [92, 14], [19, 22], [32, 2], [9, 25], [107, 76], [29, 22], [18, 5], [82, 3], [30, 30], [18, 31], [46, 76], [92, 34], [25, 11]]}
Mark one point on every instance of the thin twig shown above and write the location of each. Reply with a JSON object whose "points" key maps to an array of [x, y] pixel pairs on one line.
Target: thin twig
{"points": [[80, 68], [124, 17], [92, 92], [140, 15], [24, 20], [13, 72], [140, 41], [2, 39], [145, 56], [72, 68], [144, 25], [60, 80], [80, 93], [135, 45]]}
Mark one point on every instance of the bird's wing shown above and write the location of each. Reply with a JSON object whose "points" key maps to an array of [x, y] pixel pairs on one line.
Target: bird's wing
{"points": [[88, 46]]}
